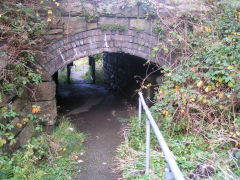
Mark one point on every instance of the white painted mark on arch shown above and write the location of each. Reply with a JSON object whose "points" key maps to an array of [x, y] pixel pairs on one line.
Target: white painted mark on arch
{"points": [[60, 52], [76, 52], [105, 41]]}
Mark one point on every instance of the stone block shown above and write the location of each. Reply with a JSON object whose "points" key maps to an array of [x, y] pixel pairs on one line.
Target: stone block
{"points": [[4, 100], [141, 11], [46, 91], [111, 21], [26, 134], [74, 8], [74, 25], [93, 32], [117, 9], [130, 11], [140, 24], [16, 130], [69, 53], [55, 31], [3, 60], [43, 60], [92, 26], [22, 102], [48, 111], [137, 24], [132, 33], [106, 9], [53, 37], [22, 138], [77, 8], [74, 37], [46, 77]]}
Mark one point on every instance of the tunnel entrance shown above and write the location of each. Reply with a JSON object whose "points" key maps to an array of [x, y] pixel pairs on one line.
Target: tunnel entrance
{"points": [[97, 108], [120, 73], [83, 70]]}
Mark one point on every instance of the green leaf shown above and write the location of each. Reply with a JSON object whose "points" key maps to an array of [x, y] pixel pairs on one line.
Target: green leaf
{"points": [[20, 91], [165, 49], [238, 95], [155, 49], [2, 142], [238, 155]]}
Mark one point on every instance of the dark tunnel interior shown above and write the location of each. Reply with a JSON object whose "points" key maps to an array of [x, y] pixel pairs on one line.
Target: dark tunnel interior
{"points": [[122, 74]]}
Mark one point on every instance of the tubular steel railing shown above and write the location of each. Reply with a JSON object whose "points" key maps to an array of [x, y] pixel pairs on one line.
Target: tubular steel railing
{"points": [[172, 171]]}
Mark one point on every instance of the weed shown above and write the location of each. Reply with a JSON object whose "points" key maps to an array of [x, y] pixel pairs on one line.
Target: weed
{"points": [[99, 74], [47, 156], [139, 30], [189, 150], [62, 75], [113, 27], [131, 155]]}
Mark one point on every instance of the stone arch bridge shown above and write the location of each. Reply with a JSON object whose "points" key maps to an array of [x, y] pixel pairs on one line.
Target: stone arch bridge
{"points": [[83, 28]]}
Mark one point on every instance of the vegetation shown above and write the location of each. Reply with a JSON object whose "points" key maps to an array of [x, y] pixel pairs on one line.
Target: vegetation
{"points": [[197, 104], [99, 74], [10, 125], [82, 65], [62, 75], [82, 61], [20, 27], [53, 156], [113, 28]]}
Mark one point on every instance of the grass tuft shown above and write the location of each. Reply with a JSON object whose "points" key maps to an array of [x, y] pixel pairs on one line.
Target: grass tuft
{"points": [[217, 150], [46, 157]]}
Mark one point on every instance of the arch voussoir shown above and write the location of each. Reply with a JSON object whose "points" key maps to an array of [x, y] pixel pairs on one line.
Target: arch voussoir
{"points": [[96, 41]]}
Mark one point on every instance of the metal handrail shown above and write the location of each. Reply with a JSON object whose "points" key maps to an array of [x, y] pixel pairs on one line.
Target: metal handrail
{"points": [[172, 171]]}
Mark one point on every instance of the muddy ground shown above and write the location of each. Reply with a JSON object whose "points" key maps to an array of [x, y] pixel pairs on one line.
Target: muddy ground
{"points": [[95, 110]]}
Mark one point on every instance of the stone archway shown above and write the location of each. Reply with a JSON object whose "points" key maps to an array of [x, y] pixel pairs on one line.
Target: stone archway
{"points": [[84, 44], [96, 41], [84, 28]]}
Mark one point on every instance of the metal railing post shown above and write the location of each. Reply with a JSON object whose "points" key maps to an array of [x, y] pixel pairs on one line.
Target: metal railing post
{"points": [[139, 112], [168, 174], [172, 164], [148, 129]]}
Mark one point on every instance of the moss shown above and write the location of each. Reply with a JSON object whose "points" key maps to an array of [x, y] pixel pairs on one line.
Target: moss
{"points": [[103, 27], [113, 27], [120, 15], [90, 17], [139, 30]]}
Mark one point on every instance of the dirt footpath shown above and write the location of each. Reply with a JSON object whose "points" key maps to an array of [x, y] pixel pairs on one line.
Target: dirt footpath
{"points": [[93, 110]]}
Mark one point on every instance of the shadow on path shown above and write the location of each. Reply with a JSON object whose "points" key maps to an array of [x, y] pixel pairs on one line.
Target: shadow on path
{"points": [[93, 110]]}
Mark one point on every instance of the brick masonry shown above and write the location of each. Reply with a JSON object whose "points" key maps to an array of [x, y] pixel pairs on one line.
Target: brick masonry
{"points": [[90, 42], [112, 27], [87, 43], [84, 28], [120, 71]]}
